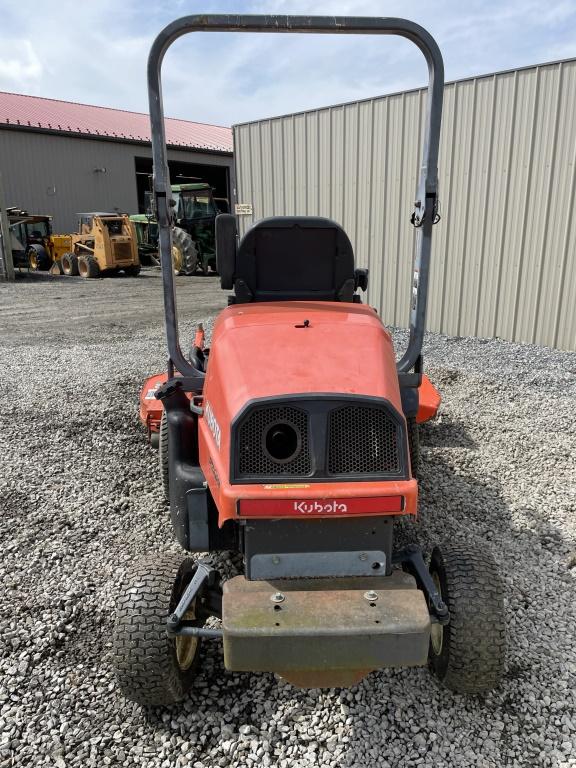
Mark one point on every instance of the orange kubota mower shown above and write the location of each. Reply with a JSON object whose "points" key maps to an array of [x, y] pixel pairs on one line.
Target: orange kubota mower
{"points": [[289, 443]]}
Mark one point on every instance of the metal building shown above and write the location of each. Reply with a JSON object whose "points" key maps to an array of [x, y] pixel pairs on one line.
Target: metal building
{"points": [[60, 158], [504, 252]]}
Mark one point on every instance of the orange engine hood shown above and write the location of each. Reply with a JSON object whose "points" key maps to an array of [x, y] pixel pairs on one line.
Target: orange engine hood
{"points": [[290, 348], [263, 350]]}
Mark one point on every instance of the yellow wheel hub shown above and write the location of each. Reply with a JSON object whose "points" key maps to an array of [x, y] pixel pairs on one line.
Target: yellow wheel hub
{"points": [[177, 260], [437, 630], [186, 645]]}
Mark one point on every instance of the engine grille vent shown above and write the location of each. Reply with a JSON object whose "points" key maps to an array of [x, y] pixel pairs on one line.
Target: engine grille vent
{"points": [[252, 457], [362, 440], [122, 251]]}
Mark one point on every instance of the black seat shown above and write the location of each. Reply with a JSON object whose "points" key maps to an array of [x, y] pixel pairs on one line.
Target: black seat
{"points": [[287, 258]]}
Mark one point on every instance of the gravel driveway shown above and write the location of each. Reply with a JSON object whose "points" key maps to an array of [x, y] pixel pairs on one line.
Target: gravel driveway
{"points": [[81, 499]]}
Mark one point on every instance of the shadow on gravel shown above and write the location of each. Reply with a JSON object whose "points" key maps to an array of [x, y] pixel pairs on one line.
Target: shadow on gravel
{"points": [[24, 276], [445, 432], [453, 503], [45, 277], [456, 503]]}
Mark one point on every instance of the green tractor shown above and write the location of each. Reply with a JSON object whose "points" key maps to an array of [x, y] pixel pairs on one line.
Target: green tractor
{"points": [[147, 237], [193, 244]]}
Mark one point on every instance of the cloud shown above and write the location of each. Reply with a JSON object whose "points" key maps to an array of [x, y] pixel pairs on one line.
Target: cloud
{"points": [[20, 64], [227, 78]]}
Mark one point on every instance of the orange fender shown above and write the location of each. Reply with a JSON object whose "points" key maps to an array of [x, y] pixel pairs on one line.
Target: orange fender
{"points": [[429, 400], [150, 408]]}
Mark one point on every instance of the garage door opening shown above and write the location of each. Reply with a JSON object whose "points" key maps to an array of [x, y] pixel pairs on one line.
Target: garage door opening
{"points": [[183, 173]]}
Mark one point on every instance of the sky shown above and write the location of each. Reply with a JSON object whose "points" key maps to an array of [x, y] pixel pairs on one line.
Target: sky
{"points": [[95, 51]]}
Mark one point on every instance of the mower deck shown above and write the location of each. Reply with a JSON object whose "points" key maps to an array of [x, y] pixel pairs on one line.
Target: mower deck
{"points": [[313, 631]]}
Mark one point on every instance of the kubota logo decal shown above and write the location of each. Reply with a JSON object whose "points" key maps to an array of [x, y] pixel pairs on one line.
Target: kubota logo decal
{"points": [[271, 506], [213, 425], [320, 507]]}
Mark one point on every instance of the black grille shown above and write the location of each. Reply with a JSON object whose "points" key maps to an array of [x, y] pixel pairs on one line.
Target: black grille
{"points": [[252, 457], [362, 440]]}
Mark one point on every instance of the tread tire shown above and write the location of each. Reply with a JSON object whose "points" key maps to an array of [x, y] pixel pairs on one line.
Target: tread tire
{"points": [[144, 656], [163, 457], [187, 247], [38, 259], [88, 266], [69, 263], [472, 656], [414, 445]]}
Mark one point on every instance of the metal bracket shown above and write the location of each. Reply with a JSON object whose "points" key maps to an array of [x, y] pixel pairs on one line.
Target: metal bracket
{"points": [[410, 380], [205, 576], [211, 632], [308, 565], [420, 211], [411, 556], [184, 383], [418, 214]]}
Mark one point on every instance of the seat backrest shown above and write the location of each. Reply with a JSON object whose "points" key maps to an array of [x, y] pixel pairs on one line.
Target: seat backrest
{"points": [[287, 258]]}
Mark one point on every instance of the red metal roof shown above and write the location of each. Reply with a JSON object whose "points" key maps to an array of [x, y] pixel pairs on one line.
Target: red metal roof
{"points": [[36, 113]]}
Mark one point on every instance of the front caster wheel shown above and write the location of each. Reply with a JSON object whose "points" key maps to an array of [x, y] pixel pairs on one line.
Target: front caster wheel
{"points": [[151, 667], [468, 654]]}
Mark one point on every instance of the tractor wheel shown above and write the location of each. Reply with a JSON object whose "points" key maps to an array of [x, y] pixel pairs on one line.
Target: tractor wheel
{"points": [[38, 259], [414, 445], [163, 456], [88, 266], [184, 252], [468, 654], [151, 667], [69, 263], [132, 271]]}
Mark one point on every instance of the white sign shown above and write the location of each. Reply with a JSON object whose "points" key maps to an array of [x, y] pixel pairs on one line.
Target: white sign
{"points": [[213, 425], [243, 209]]}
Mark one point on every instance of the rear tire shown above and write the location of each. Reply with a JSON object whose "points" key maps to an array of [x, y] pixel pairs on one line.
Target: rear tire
{"points": [[69, 263], [468, 654], [38, 259], [151, 667], [186, 262], [88, 266], [132, 271], [163, 456]]}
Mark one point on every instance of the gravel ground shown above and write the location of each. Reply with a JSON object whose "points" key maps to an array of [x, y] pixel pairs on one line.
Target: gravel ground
{"points": [[81, 499]]}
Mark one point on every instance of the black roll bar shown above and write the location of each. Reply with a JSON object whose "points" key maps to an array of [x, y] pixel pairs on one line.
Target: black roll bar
{"points": [[425, 206]]}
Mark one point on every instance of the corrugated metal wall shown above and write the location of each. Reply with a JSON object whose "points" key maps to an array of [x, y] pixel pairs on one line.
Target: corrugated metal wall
{"points": [[55, 175], [503, 257]]}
